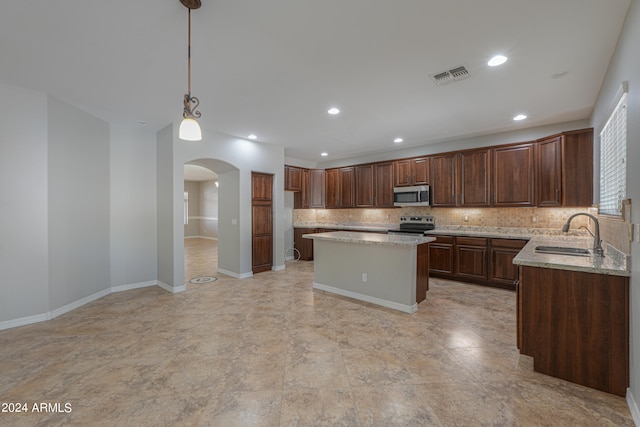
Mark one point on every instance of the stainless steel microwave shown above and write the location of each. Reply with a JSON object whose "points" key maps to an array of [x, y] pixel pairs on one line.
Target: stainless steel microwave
{"points": [[411, 196]]}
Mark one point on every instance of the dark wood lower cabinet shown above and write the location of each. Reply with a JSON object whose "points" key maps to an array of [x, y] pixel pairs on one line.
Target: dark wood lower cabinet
{"points": [[476, 260], [441, 256], [471, 258], [304, 246], [575, 325]]}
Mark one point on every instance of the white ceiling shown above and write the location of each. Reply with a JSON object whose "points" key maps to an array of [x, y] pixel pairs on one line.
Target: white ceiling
{"points": [[273, 68]]}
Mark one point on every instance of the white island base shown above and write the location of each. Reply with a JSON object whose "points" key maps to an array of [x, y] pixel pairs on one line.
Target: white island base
{"points": [[383, 269]]}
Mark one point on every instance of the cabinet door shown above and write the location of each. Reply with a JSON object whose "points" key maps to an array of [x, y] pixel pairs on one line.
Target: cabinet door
{"points": [[292, 178], [261, 184], [420, 171], [513, 175], [471, 257], [301, 198], [364, 186], [441, 256], [443, 180], [346, 182], [475, 184], [305, 246], [383, 185], [402, 173], [577, 168], [548, 185], [501, 255], [332, 189], [316, 188]]}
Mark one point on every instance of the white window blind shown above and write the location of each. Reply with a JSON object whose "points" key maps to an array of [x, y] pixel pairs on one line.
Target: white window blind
{"points": [[613, 160]]}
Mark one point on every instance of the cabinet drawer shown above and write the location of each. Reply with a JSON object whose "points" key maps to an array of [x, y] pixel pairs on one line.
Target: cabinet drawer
{"points": [[508, 243], [448, 240], [471, 241]]}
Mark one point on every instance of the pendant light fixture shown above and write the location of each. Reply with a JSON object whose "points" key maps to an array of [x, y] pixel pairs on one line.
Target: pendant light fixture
{"points": [[189, 128]]}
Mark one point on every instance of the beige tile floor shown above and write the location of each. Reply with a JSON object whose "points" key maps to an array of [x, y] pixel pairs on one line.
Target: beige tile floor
{"points": [[271, 351]]}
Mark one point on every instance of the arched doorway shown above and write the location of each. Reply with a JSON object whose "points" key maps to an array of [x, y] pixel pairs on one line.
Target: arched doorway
{"points": [[200, 224], [210, 233]]}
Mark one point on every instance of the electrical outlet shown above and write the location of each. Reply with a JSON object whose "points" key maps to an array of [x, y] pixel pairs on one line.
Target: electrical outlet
{"points": [[364, 277], [636, 232], [466, 218]]}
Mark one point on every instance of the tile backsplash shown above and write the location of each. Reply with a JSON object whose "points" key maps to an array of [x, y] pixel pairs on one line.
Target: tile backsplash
{"points": [[485, 217]]}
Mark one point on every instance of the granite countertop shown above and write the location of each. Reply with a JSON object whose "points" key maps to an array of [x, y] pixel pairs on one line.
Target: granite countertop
{"points": [[371, 238], [614, 262], [375, 227]]}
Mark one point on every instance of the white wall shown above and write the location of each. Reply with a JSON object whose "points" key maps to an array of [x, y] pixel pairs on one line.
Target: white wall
{"points": [[241, 157], [208, 209], [625, 66], [24, 259], [133, 206], [192, 229], [164, 206], [78, 175]]}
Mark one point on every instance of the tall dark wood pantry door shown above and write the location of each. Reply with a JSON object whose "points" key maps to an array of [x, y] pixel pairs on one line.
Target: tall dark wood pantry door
{"points": [[261, 221]]}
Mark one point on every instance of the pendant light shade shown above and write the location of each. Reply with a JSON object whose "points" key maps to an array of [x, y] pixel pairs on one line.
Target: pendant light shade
{"points": [[189, 128]]}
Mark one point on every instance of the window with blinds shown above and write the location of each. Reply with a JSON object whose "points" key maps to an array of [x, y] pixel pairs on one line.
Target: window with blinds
{"points": [[613, 160]]}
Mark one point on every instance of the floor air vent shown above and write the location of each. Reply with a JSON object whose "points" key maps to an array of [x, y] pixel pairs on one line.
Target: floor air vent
{"points": [[450, 76]]}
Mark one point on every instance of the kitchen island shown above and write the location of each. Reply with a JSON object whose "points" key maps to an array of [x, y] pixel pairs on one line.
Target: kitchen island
{"points": [[385, 269]]}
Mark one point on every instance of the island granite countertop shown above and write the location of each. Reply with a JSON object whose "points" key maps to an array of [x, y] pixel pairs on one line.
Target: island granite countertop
{"points": [[371, 238]]}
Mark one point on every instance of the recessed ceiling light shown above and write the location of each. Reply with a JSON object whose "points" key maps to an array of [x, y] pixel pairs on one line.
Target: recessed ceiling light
{"points": [[398, 140], [520, 117], [497, 60], [252, 136], [333, 111], [324, 154]]}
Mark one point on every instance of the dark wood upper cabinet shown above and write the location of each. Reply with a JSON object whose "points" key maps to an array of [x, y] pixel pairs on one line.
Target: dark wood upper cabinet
{"points": [[475, 178], [413, 171], [332, 189], [292, 178], [383, 182], [301, 198], [514, 175], [347, 185], [443, 179], [364, 186], [552, 171], [565, 169], [317, 189], [549, 182]]}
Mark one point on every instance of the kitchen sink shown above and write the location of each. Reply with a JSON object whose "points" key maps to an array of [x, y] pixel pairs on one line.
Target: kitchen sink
{"points": [[560, 250]]}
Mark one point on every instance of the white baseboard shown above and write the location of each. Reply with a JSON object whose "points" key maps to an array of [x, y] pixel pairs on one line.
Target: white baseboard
{"points": [[277, 267], [22, 321], [171, 289], [236, 275], [366, 298], [132, 286], [201, 237], [633, 407], [79, 303]]}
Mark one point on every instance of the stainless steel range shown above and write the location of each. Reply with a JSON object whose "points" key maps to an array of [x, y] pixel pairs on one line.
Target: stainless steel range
{"points": [[414, 225]]}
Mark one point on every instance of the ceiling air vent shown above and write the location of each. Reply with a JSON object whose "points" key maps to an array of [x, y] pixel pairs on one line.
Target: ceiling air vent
{"points": [[450, 76]]}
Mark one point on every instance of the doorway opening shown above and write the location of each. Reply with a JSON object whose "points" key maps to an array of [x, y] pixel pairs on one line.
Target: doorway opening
{"points": [[200, 224]]}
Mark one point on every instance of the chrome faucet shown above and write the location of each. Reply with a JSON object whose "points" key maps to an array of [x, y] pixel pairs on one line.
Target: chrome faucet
{"points": [[597, 243]]}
